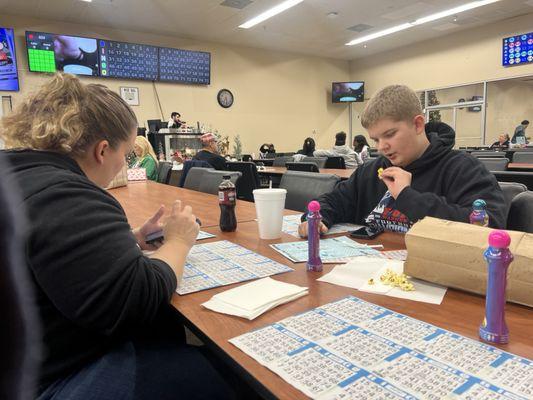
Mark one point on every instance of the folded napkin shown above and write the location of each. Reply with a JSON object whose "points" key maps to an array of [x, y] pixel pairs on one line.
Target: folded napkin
{"points": [[254, 298]]}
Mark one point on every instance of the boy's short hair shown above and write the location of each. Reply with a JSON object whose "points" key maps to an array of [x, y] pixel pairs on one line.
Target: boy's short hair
{"points": [[396, 102], [174, 114], [525, 122], [340, 139]]}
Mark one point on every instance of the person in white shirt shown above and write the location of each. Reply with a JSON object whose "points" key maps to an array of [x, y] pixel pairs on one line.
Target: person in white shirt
{"points": [[361, 146], [174, 121], [340, 150]]}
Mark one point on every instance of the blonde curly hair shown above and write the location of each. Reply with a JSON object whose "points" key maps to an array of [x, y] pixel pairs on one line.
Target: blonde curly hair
{"points": [[67, 116], [145, 147]]}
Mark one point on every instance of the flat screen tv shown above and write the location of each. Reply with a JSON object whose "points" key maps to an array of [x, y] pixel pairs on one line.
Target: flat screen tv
{"points": [[347, 92], [517, 50], [128, 60], [50, 52], [187, 66], [9, 80]]}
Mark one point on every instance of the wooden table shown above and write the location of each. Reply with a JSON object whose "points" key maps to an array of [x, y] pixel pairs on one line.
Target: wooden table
{"points": [[459, 312], [341, 173], [141, 200], [520, 166]]}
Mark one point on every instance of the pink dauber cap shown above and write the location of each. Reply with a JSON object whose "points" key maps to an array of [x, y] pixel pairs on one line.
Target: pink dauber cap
{"points": [[499, 239], [313, 206]]}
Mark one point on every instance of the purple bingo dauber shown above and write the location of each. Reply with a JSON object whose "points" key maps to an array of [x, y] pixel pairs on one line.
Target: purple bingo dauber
{"points": [[494, 329], [314, 263]]}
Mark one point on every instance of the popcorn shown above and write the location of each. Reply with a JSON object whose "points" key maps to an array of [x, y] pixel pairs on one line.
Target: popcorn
{"points": [[380, 171], [371, 281], [393, 279]]}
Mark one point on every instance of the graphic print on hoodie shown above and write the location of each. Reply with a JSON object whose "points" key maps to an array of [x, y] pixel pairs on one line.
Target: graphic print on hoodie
{"points": [[385, 217]]}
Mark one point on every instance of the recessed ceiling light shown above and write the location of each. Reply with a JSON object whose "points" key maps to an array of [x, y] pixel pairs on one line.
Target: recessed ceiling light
{"points": [[423, 20], [270, 13], [332, 14], [87, 1]]}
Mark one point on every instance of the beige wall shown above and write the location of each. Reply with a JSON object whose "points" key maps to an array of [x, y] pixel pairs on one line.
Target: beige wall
{"points": [[460, 58], [279, 97]]}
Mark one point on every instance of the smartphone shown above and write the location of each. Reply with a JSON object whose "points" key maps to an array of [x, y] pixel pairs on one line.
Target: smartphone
{"points": [[365, 233], [155, 237]]}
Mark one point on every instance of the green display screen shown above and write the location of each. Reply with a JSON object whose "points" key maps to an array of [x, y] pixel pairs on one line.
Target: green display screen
{"points": [[41, 60]]}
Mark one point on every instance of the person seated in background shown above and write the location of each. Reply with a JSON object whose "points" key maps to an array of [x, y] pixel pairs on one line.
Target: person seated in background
{"points": [[145, 157], [340, 150], [417, 174], [209, 152], [308, 147], [104, 305], [271, 150], [361, 146], [263, 151], [174, 121], [502, 142]]}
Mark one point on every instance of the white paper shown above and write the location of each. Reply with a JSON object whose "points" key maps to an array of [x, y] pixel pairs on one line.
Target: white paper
{"points": [[255, 298]]}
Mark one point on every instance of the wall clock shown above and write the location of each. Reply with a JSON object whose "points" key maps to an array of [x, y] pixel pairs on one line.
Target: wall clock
{"points": [[225, 98]]}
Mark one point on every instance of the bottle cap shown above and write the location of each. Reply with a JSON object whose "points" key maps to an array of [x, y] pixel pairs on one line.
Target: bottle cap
{"points": [[313, 206], [479, 204], [499, 239]]}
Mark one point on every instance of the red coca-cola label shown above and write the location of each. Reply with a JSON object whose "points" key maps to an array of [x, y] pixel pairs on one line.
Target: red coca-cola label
{"points": [[226, 197]]}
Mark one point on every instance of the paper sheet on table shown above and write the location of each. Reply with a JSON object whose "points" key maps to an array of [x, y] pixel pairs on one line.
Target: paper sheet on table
{"points": [[253, 299], [358, 271], [291, 222]]}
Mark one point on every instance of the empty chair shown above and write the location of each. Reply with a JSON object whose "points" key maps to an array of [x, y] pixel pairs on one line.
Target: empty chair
{"points": [[281, 161], [522, 157], [248, 181], [302, 187], [187, 165], [521, 213], [373, 152], [246, 157], [194, 178], [510, 190], [211, 180], [525, 178], [302, 166], [495, 164], [335, 163], [488, 154], [319, 161], [165, 169]]}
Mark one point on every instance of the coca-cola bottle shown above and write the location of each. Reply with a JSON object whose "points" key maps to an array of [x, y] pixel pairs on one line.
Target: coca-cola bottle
{"points": [[227, 199]]}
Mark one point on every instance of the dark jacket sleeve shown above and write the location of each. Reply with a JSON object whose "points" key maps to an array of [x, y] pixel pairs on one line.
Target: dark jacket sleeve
{"points": [[467, 181], [86, 260], [218, 162], [340, 204]]}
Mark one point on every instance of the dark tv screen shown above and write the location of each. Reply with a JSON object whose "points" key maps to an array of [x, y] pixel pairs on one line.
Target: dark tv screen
{"points": [[9, 80], [347, 92], [517, 50], [128, 60], [50, 52]]}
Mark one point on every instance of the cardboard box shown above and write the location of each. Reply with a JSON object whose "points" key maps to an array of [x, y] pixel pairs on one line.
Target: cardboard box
{"points": [[451, 254]]}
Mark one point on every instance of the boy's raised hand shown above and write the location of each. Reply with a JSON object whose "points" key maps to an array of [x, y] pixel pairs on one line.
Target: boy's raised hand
{"points": [[396, 179]]}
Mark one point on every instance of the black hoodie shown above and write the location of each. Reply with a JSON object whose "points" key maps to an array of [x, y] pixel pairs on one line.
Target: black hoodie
{"points": [[444, 184], [93, 285]]}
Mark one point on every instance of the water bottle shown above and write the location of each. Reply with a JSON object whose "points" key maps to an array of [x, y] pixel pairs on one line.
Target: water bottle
{"points": [[479, 215], [227, 201], [314, 263], [494, 329]]}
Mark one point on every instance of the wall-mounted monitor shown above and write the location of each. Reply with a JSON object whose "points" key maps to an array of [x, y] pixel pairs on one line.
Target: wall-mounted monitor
{"points": [[128, 60], [347, 92], [50, 52], [185, 66], [517, 50], [9, 79]]}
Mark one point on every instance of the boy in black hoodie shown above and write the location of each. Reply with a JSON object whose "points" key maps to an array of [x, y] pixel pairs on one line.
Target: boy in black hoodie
{"points": [[417, 175]]}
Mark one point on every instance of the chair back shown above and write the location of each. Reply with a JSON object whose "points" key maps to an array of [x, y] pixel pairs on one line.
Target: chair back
{"points": [[302, 187], [165, 169], [525, 178], [335, 163], [194, 178], [495, 164], [246, 157], [302, 166], [521, 213], [522, 157], [510, 190], [488, 154], [248, 181], [187, 165], [319, 161], [211, 180], [281, 161]]}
